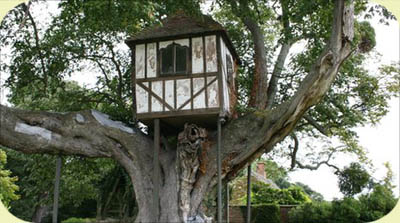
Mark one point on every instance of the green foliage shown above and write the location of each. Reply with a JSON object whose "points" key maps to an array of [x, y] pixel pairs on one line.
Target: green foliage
{"points": [[266, 195], [274, 171], [377, 204], [262, 213], [390, 78], [364, 36], [8, 188], [368, 207], [353, 179], [346, 209], [315, 212], [78, 220], [312, 194]]}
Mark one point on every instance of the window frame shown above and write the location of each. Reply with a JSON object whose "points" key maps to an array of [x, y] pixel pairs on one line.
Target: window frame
{"points": [[174, 47]]}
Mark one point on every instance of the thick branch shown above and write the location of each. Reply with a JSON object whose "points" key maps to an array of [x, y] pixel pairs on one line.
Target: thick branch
{"points": [[266, 128], [280, 62], [87, 133], [260, 80]]}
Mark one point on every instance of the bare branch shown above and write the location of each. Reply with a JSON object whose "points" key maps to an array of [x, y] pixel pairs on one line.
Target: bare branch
{"points": [[294, 152], [317, 165], [27, 7], [37, 43]]}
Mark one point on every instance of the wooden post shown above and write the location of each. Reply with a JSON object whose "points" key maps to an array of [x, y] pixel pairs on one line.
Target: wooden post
{"points": [[219, 199], [248, 217], [227, 202], [156, 170], [56, 189]]}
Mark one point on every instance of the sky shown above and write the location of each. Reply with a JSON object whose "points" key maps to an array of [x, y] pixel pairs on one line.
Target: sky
{"points": [[381, 141]]}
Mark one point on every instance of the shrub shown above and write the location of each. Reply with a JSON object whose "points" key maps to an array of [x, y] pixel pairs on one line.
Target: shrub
{"points": [[377, 204], [263, 213], [369, 207], [291, 196], [315, 212], [78, 220]]}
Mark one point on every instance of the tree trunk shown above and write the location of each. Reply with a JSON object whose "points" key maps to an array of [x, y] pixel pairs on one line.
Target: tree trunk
{"points": [[41, 210], [180, 169]]}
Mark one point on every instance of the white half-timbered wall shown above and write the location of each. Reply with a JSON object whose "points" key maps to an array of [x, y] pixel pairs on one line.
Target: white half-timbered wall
{"points": [[225, 54], [198, 90]]}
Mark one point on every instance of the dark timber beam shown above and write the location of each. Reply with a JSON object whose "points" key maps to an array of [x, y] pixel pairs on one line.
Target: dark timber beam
{"points": [[56, 189], [156, 170], [219, 213], [248, 217]]}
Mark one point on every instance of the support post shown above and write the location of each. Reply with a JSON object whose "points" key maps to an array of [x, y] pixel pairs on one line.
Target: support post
{"points": [[219, 187], [156, 170], [248, 217], [227, 202], [56, 189]]}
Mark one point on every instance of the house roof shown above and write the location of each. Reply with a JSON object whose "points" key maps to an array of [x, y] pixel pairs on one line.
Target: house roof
{"points": [[177, 25], [181, 25], [265, 180]]}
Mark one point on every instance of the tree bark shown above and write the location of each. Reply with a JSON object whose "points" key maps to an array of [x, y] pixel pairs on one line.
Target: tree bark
{"points": [[41, 210], [182, 186]]}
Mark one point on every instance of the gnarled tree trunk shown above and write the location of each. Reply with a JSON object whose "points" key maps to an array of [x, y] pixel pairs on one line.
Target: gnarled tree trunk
{"points": [[189, 172]]}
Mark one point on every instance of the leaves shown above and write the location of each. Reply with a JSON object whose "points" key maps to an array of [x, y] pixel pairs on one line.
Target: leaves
{"points": [[353, 179], [8, 188]]}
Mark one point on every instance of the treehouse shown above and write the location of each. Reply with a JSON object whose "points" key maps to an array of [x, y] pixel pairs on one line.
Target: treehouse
{"points": [[184, 72]]}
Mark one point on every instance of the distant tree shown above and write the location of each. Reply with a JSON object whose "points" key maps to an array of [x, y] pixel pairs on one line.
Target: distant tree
{"points": [[353, 179], [367, 207], [314, 195]]}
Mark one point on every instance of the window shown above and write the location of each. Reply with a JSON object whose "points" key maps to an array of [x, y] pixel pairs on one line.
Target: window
{"points": [[174, 59], [229, 68]]}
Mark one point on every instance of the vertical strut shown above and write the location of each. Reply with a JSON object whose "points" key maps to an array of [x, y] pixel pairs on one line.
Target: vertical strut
{"points": [[219, 201], [56, 189], [248, 217], [156, 170], [227, 202]]}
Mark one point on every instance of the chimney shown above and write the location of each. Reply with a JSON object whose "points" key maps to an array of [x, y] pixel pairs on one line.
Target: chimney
{"points": [[261, 169]]}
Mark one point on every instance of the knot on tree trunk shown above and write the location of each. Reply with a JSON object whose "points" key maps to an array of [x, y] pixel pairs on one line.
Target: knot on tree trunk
{"points": [[190, 142]]}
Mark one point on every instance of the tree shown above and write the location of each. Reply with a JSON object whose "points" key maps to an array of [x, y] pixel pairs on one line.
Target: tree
{"points": [[273, 108], [353, 179]]}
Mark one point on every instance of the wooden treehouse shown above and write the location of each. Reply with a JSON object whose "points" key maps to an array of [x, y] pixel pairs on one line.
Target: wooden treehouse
{"points": [[184, 72]]}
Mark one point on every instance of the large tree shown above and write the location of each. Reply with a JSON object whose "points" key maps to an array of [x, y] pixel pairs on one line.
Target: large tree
{"points": [[276, 102]]}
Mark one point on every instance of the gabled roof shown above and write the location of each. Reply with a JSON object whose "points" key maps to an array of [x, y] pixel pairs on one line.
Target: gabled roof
{"points": [[181, 25], [177, 25]]}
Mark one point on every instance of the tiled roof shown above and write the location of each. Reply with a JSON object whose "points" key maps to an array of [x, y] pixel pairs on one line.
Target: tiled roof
{"points": [[179, 24]]}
